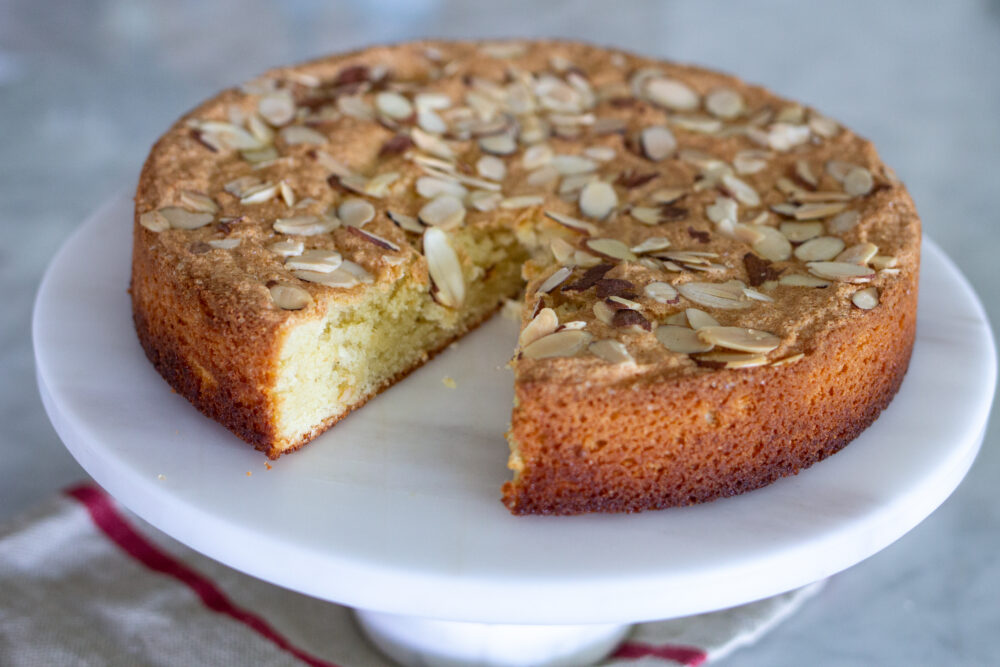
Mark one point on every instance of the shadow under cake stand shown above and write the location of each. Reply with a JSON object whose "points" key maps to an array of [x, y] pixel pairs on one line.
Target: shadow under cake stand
{"points": [[396, 511]]}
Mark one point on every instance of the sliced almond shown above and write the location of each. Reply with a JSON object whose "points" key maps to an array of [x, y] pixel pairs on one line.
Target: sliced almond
{"points": [[698, 319], [430, 187], [406, 222], [567, 343], [865, 299], [320, 261], [671, 93], [521, 201], [445, 211], [819, 249], [338, 278], [393, 105], [154, 221], [652, 244], [611, 248], [800, 232], [356, 270], [287, 194], [647, 215], [557, 278], [741, 190], [568, 165], [661, 292], [198, 201], [598, 200], [355, 212], [723, 208], [444, 267], [862, 253], [658, 142], [374, 239], [603, 312], [680, 339], [751, 161], [882, 262], [573, 223], [843, 222], [537, 156], [773, 245], [491, 167], [841, 271], [814, 211], [432, 144], [724, 103], [612, 351], [287, 248], [180, 218], [277, 108], [732, 359], [541, 325], [300, 134], [738, 338], [499, 144], [305, 225], [725, 296], [289, 297], [858, 182]]}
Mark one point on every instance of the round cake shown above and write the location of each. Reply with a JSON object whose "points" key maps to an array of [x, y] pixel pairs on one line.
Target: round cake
{"points": [[717, 286]]}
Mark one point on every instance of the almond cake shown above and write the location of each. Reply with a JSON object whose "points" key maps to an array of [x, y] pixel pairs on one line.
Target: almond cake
{"points": [[718, 285]]}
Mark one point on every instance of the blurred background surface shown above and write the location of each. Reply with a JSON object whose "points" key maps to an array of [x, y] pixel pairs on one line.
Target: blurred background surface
{"points": [[87, 86]]}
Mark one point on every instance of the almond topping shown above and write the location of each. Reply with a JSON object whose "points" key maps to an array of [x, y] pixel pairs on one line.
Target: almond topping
{"points": [[725, 296], [658, 142], [865, 299], [681, 339], [661, 292], [445, 268], [566, 343], [841, 271], [598, 200], [289, 297], [320, 261], [445, 211], [611, 351], [354, 212], [821, 248], [699, 319], [541, 325], [180, 218], [738, 338], [611, 248]]}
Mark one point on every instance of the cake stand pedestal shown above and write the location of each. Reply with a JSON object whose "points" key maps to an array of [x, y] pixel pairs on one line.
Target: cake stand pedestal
{"points": [[396, 510]]}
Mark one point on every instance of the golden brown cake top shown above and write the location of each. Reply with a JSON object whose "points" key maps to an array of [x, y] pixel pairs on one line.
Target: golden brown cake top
{"points": [[679, 219]]}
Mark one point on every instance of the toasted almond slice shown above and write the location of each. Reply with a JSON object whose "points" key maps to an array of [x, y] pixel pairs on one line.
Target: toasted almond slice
{"points": [[305, 225], [652, 244], [603, 312], [572, 223], [225, 244], [180, 218], [154, 221], [843, 222], [277, 108], [406, 222], [800, 280], [358, 271], [543, 176], [498, 144], [612, 248], [566, 343], [819, 249], [612, 351], [481, 200], [858, 182], [491, 167], [430, 187], [287, 248], [574, 183], [300, 134], [882, 262], [823, 126], [698, 319], [444, 267], [198, 201], [289, 297], [562, 251], [522, 201], [814, 211], [800, 232], [724, 103], [738, 338], [785, 136], [647, 215], [786, 361], [287, 194], [354, 212], [600, 153], [667, 195], [671, 93], [678, 319], [320, 261], [598, 199], [805, 173], [732, 359], [337, 278], [228, 135], [374, 239], [542, 324], [430, 121], [393, 105], [725, 296], [751, 161], [862, 253], [773, 246], [741, 190], [569, 165], [627, 303], [658, 142], [841, 271], [838, 169], [865, 299], [378, 186], [537, 156], [680, 339], [445, 211], [723, 208], [557, 278], [661, 292], [431, 144]]}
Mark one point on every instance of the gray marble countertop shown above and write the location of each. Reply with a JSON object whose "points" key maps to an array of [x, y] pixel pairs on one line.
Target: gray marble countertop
{"points": [[86, 87]]}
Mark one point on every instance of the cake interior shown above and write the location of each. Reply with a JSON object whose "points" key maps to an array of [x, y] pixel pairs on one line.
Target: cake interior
{"points": [[334, 363]]}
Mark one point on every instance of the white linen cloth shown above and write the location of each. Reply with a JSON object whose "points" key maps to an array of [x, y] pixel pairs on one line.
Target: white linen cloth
{"points": [[84, 582]]}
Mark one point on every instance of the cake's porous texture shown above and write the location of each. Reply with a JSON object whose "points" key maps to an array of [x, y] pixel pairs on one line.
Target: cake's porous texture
{"points": [[718, 286]]}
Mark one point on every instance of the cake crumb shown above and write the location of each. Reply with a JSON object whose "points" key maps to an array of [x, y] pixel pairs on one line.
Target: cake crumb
{"points": [[161, 476], [267, 465], [449, 382], [249, 473]]}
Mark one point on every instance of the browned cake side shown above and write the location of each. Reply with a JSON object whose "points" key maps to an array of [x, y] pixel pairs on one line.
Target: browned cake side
{"points": [[655, 443]]}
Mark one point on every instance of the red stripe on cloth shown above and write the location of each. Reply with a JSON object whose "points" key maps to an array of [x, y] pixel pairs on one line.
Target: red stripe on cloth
{"points": [[685, 655], [112, 524]]}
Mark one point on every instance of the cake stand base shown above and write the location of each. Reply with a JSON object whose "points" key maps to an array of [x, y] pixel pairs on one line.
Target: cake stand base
{"points": [[421, 642]]}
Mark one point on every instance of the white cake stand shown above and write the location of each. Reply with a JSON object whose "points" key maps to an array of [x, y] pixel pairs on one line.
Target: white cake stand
{"points": [[396, 510]]}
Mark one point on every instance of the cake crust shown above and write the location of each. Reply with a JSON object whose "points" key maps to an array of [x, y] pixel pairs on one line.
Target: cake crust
{"points": [[686, 180]]}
